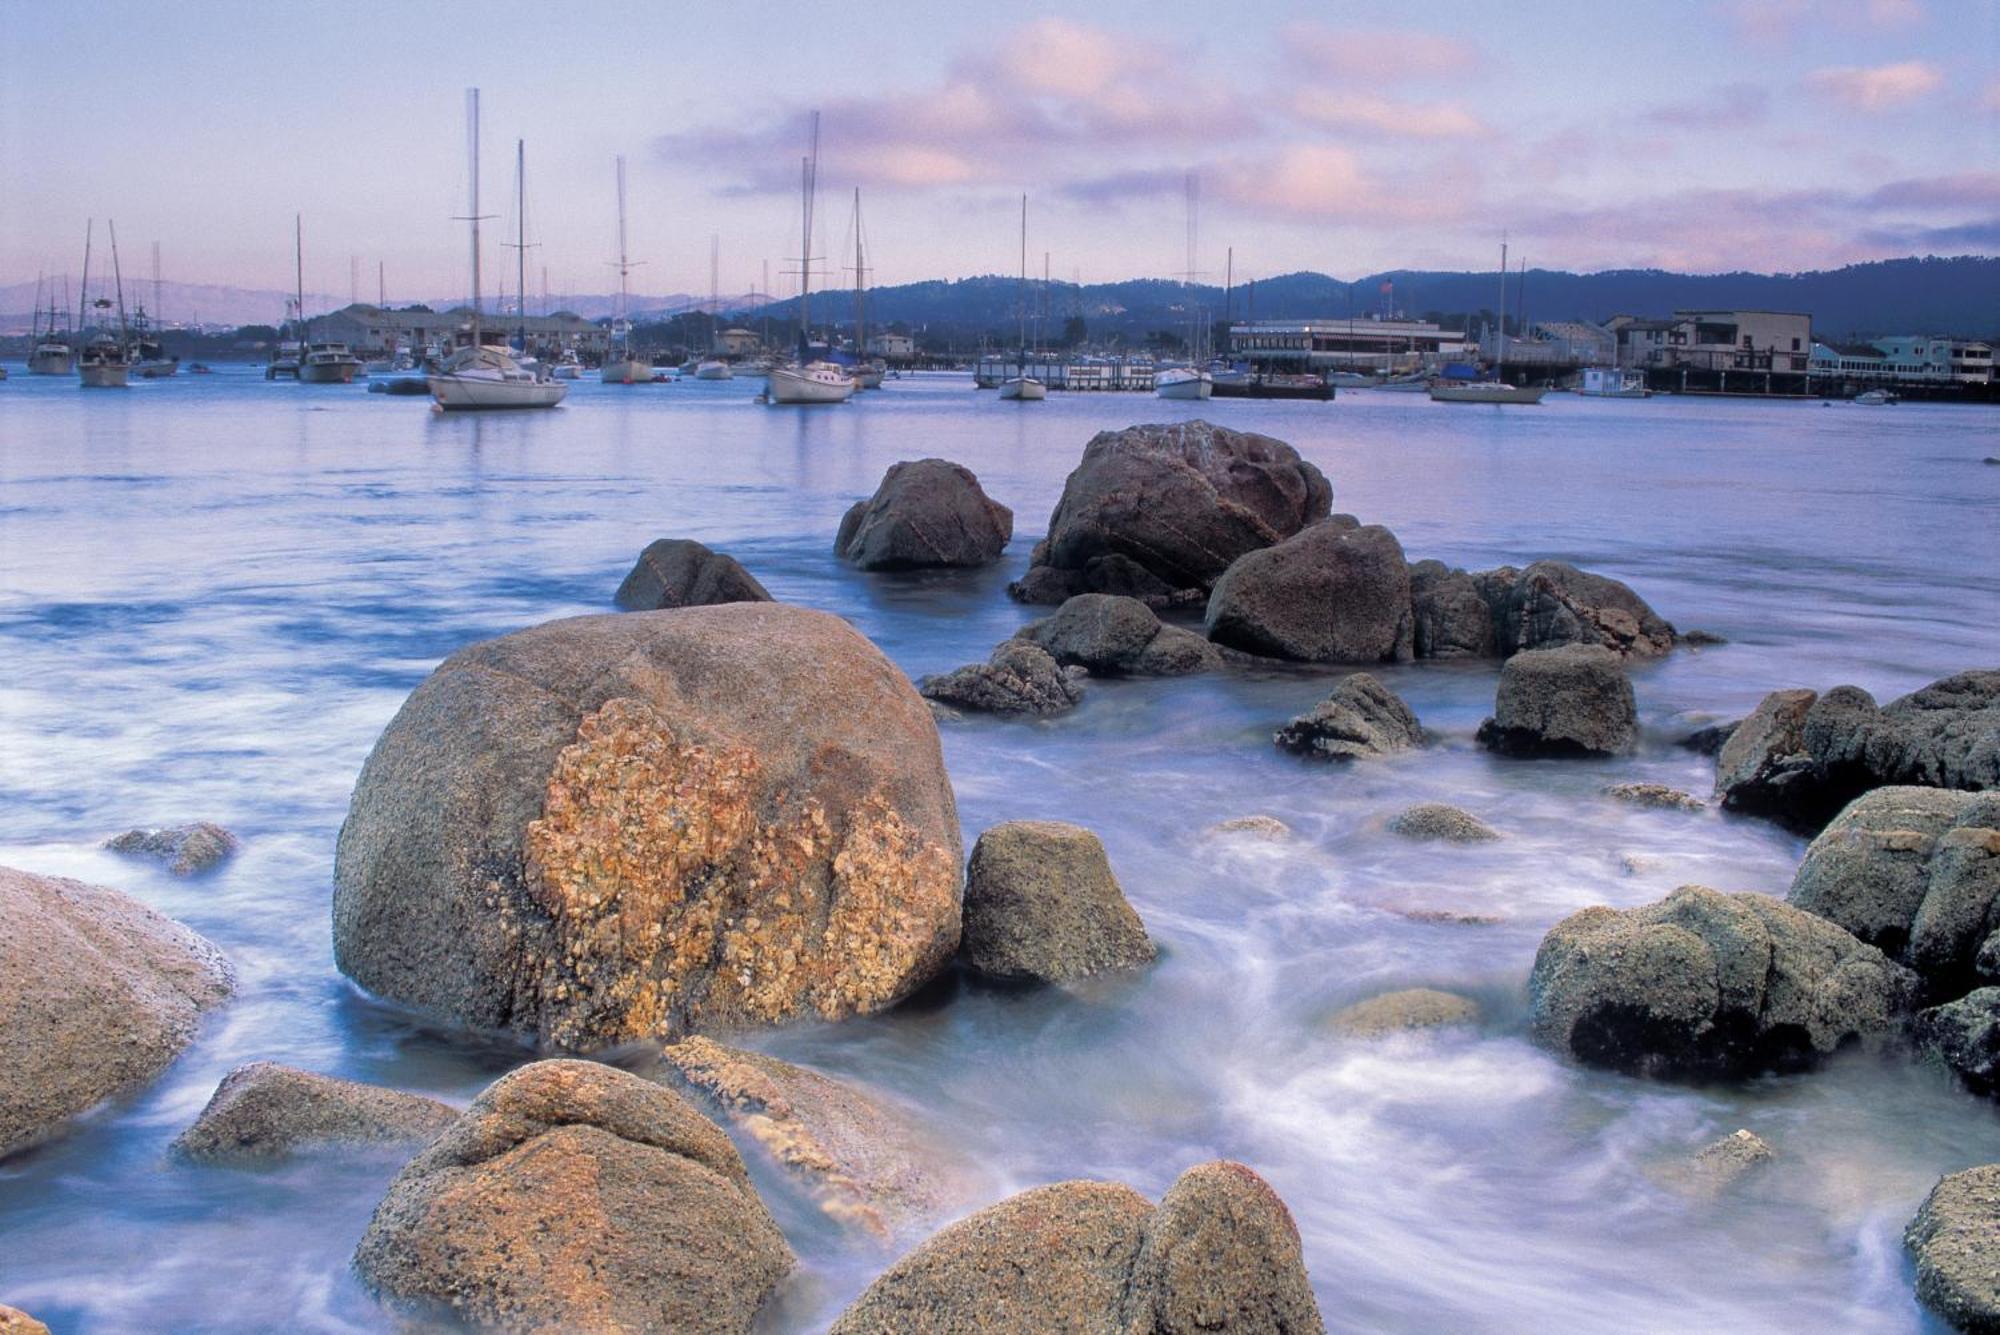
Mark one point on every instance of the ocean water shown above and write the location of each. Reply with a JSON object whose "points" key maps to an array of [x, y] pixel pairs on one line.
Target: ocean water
{"points": [[215, 592]]}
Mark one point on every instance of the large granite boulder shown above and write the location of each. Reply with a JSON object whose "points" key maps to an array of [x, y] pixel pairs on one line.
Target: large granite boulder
{"points": [[1041, 905], [98, 994], [1801, 757], [1176, 502], [1452, 611], [1359, 720], [1915, 871], [1220, 1253], [1018, 678], [1955, 1241], [573, 1196], [1707, 984], [679, 572], [625, 826], [1338, 592], [1964, 1035], [184, 850], [1572, 701], [865, 1163], [1115, 636], [1552, 603], [267, 1111], [927, 513]]}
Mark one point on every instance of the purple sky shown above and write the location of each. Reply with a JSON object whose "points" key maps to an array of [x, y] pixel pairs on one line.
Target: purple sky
{"points": [[1772, 135]]}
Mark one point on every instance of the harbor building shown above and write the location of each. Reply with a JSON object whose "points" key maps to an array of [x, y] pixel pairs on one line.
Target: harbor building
{"points": [[892, 347], [1923, 357], [736, 342], [1345, 345], [373, 330], [1848, 363], [1718, 352]]}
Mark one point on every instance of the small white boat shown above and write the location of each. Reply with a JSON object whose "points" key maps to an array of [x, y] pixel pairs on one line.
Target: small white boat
{"points": [[1352, 380], [487, 377], [51, 356], [624, 370], [815, 382], [1874, 398], [714, 369], [570, 367], [1023, 388], [328, 364], [1607, 383], [103, 364], [868, 375], [1402, 384], [1183, 382], [1484, 391]]}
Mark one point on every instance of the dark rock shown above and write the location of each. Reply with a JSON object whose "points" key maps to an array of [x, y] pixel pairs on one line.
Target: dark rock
{"points": [[1571, 701], [1916, 872], [1413, 1009], [1709, 740], [626, 826], [1702, 639], [575, 1196], [1707, 984], [1965, 1036], [1762, 768], [266, 1111], [1955, 1240], [1178, 501], [1046, 586], [1119, 637], [1041, 904], [1720, 1165], [679, 572], [927, 513], [1333, 593], [184, 850], [1655, 795], [1440, 821], [1552, 603], [98, 994], [1451, 616], [1019, 678], [1221, 1254], [1360, 720]]}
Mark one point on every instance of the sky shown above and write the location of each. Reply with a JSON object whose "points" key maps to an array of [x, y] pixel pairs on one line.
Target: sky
{"points": [[1771, 135]]}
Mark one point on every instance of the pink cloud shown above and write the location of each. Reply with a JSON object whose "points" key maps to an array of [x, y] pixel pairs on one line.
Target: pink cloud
{"points": [[1377, 55], [1329, 183], [1364, 111], [1876, 87], [1964, 190]]}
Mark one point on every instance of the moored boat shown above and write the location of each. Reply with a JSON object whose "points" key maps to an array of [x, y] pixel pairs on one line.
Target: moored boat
{"points": [[714, 369], [1874, 398], [328, 364], [1600, 382], [104, 364], [1183, 382], [815, 382], [1023, 388], [50, 353], [808, 380], [1484, 391]]}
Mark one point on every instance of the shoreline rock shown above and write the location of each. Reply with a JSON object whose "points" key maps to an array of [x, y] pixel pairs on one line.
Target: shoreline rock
{"points": [[1335, 592], [184, 850], [1572, 701], [1441, 821], [1412, 1010], [1952, 1242], [1111, 635], [1019, 678], [1360, 720], [680, 572], [1655, 795], [926, 514], [266, 1111], [1042, 905]]}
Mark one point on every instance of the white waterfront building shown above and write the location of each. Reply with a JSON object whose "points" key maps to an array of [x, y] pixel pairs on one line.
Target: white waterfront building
{"points": [[1355, 345]]}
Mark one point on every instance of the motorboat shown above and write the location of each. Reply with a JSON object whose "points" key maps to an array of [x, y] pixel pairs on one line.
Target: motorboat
{"points": [[714, 369], [1183, 382], [328, 364], [104, 364], [51, 356], [1601, 382], [1484, 391], [869, 374], [486, 377], [814, 382], [1023, 388], [570, 367], [1874, 398], [285, 359]]}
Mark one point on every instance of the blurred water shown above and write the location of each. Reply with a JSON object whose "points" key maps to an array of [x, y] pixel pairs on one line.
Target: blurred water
{"points": [[214, 592]]}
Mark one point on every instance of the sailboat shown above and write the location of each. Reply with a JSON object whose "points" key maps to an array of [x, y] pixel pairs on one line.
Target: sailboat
{"points": [[868, 371], [621, 367], [318, 363], [808, 381], [1496, 390], [151, 359], [1188, 382], [479, 376], [713, 367], [106, 363], [1022, 387], [50, 353]]}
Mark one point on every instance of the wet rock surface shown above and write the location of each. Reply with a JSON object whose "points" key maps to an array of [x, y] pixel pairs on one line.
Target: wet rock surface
{"points": [[575, 1196], [13, 1321], [1655, 795], [1572, 701], [1440, 821], [1955, 1242], [267, 1111], [1964, 1035], [1500, 612], [637, 825], [98, 995], [1361, 719], [679, 572], [1709, 984], [1721, 1165], [1409, 1011], [1116, 636], [1042, 905], [927, 513], [1019, 678], [184, 850], [1337, 592]]}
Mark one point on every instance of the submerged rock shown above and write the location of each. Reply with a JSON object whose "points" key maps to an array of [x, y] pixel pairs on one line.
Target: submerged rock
{"points": [[1708, 984], [627, 826], [1220, 1253], [1655, 795], [575, 1196], [98, 995], [1441, 821], [1955, 1241], [1720, 1165], [1261, 827], [927, 513], [1965, 1036], [1119, 637], [1334, 593], [864, 1163], [266, 1111], [1177, 502], [184, 850], [1572, 701], [1042, 905], [1020, 678], [679, 572], [1915, 871], [1413, 1009], [1360, 720], [1709, 739]]}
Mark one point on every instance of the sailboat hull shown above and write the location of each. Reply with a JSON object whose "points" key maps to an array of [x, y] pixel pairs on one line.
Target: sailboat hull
{"points": [[1191, 386], [454, 393], [51, 363], [791, 384], [714, 371], [1024, 389], [1486, 392], [101, 375], [626, 371]]}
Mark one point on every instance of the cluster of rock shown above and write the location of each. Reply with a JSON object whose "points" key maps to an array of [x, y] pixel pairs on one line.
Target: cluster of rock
{"points": [[1801, 757], [1501, 612], [926, 514]]}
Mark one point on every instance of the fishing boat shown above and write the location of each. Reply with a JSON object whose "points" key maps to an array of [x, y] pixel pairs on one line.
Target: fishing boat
{"points": [[808, 381], [1188, 382], [1022, 387], [1874, 398], [50, 353], [1601, 382], [1446, 389], [328, 364], [106, 362], [285, 359], [621, 365], [477, 375]]}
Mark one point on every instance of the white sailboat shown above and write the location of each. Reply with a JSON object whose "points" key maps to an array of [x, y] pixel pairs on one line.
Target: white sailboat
{"points": [[478, 376], [713, 367], [804, 381], [1022, 387], [50, 353], [106, 361], [1496, 390], [868, 371], [1189, 382], [621, 366]]}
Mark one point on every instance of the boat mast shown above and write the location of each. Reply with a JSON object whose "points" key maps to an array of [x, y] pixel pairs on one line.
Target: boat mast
{"points": [[714, 286], [1500, 317], [860, 283], [1021, 293], [117, 278], [809, 177], [83, 293], [299, 268], [521, 236], [158, 300], [473, 219]]}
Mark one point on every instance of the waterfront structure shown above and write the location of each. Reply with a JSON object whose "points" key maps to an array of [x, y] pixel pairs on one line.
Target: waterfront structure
{"points": [[736, 343], [1777, 342], [1926, 357], [372, 330], [1847, 362], [892, 347], [1352, 345]]}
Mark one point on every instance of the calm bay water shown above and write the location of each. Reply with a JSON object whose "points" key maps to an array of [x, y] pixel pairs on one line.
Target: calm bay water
{"points": [[214, 593]]}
